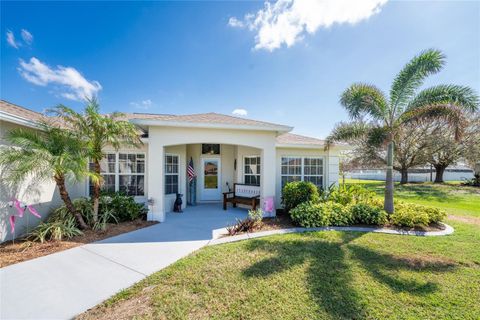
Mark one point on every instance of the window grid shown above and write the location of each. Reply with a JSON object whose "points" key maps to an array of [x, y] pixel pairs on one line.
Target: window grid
{"points": [[124, 172], [302, 169], [171, 173], [251, 170]]}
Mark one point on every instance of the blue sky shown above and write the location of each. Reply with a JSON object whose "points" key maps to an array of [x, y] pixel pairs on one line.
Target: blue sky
{"points": [[194, 57]]}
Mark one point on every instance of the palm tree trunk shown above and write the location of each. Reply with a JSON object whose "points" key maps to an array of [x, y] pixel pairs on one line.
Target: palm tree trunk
{"points": [[60, 180], [96, 191], [388, 202], [439, 170], [404, 173]]}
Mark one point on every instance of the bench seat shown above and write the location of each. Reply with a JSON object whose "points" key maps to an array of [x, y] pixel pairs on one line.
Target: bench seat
{"points": [[243, 194]]}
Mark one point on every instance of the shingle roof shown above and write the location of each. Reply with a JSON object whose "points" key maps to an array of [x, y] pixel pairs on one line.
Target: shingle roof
{"points": [[210, 117], [21, 112], [291, 138]]}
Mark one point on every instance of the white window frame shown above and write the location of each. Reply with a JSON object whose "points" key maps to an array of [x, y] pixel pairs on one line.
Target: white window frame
{"points": [[253, 174], [302, 168], [171, 174], [117, 173]]}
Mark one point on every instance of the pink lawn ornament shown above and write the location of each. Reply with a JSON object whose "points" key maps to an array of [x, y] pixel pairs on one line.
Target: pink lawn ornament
{"points": [[269, 205], [20, 211]]}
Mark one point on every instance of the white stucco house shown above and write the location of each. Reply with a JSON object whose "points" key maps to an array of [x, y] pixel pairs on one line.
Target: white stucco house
{"points": [[224, 149]]}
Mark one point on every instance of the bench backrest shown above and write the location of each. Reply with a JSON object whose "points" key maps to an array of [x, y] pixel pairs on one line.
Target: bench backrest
{"points": [[244, 190]]}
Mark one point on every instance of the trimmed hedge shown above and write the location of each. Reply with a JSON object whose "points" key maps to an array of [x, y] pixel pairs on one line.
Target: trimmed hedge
{"points": [[341, 206]]}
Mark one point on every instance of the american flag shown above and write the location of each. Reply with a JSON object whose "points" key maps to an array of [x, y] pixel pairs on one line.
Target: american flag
{"points": [[190, 171]]}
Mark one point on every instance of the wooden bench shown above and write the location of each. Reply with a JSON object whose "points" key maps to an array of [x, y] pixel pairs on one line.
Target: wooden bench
{"points": [[244, 194]]}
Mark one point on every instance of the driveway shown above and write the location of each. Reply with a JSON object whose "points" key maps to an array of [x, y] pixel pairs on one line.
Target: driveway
{"points": [[64, 284]]}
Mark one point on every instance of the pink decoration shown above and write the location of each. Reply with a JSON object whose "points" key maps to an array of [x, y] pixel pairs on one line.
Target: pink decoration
{"points": [[20, 211], [33, 211], [19, 208], [12, 224], [268, 205]]}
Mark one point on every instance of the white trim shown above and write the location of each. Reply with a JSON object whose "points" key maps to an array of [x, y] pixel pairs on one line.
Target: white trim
{"points": [[166, 123], [215, 157], [18, 120]]}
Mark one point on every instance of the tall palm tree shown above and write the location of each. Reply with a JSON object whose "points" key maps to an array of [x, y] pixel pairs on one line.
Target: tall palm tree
{"points": [[49, 154], [98, 131], [379, 117]]}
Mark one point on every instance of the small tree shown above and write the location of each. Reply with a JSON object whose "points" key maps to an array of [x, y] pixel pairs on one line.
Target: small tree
{"points": [[49, 154], [386, 116], [99, 131]]}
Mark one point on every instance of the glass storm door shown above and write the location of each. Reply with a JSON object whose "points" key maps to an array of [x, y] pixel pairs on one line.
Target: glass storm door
{"points": [[211, 190]]}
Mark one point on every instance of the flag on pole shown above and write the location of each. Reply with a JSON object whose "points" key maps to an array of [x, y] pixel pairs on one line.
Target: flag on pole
{"points": [[191, 171]]}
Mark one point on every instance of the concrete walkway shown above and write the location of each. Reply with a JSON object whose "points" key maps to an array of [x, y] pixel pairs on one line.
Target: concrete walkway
{"points": [[64, 284]]}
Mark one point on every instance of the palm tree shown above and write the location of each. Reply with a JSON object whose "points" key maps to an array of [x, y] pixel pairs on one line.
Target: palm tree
{"points": [[49, 154], [98, 131], [379, 118]]}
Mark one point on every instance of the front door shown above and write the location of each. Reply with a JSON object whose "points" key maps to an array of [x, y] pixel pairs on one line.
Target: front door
{"points": [[211, 190]]}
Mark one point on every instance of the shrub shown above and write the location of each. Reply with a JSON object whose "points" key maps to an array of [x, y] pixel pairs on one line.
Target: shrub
{"points": [[347, 194], [256, 215], [60, 224], [310, 214], [362, 213], [415, 215], [295, 193], [123, 207]]}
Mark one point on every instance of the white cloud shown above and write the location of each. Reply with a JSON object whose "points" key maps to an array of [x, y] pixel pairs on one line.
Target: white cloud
{"points": [[11, 40], [144, 104], [70, 81], [240, 112], [235, 23], [287, 21], [27, 36]]}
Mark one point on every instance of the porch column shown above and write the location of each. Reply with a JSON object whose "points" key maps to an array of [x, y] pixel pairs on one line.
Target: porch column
{"points": [[268, 182], [156, 159]]}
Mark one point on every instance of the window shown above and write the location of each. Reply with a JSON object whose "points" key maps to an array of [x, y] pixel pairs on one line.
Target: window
{"points": [[124, 172], [171, 174], [302, 169], [252, 170], [131, 173], [210, 148]]}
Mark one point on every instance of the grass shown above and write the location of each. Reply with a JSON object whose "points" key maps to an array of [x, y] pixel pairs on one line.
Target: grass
{"points": [[452, 197], [322, 275]]}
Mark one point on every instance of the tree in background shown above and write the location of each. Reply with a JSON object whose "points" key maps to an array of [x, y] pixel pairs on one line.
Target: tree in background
{"points": [[98, 131], [52, 153], [381, 118]]}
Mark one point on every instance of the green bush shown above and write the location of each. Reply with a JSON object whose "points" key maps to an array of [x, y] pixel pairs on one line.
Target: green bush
{"points": [[362, 213], [415, 215], [310, 214], [122, 207], [295, 193], [347, 194]]}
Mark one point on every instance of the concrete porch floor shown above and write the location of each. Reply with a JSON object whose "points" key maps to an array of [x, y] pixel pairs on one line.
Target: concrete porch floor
{"points": [[64, 284]]}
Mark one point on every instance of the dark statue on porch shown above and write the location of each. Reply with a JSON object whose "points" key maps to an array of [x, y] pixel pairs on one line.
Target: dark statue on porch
{"points": [[177, 206]]}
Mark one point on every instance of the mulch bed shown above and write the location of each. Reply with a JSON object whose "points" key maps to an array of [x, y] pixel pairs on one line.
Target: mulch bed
{"points": [[12, 252]]}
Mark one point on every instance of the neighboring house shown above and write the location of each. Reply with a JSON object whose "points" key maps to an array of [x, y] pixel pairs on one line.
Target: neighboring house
{"points": [[458, 172], [224, 149]]}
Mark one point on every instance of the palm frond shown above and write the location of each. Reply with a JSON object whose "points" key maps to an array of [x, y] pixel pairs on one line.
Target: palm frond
{"points": [[412, 76], [459, 96], [364, 99], [453, 116], [347, 132]]}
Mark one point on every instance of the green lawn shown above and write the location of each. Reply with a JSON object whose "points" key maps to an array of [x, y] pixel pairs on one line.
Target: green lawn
{"points": [[321, 275], [452, 197]]}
